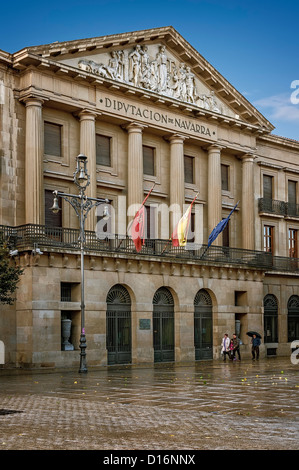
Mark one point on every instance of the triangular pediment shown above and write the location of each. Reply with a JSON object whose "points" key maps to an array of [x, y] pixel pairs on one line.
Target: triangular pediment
{"points": [[157, 61]]}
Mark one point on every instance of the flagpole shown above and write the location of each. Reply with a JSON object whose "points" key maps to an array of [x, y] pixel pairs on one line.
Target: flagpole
{"points": [[219, 232], [131, 222], [178, 222]]}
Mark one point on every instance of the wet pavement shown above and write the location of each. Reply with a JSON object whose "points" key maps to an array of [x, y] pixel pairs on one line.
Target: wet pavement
{"points": [[207, 405]]}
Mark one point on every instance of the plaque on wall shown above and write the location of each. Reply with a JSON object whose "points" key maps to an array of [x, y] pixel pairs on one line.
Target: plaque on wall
{"points": [[144, 324]]}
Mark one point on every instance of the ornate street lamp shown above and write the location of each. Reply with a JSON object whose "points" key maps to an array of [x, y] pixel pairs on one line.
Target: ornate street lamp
{"points": [[82, 205]]}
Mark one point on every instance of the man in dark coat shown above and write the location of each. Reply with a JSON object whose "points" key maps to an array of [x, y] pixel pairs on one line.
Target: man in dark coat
{"points": [[255, 350], [236, 345]]}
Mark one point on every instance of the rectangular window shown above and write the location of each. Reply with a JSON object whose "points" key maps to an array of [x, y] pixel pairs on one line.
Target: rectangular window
{"points": [[225, 236], [268, 238], [150, 229], [267, 186], [293, 247], [225, 177], [52, 139], [148, 160], [293, 210], [103, 149], [292, 186], [189, 169], [191, 233], [65, 292]]}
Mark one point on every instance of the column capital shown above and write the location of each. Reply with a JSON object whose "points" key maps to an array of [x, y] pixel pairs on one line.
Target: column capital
{"points": [[247, 157], [176, 138], [134, 126], [88, 114], [33, 101], [215, 148]]}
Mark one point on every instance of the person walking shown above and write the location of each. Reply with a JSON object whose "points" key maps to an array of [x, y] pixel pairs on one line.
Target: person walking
{"points": [[255, 349], [225, 346], [231, 349], [236, 347]]}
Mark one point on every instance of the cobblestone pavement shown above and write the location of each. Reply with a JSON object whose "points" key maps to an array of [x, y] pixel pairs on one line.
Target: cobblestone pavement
{"points": [[206, 405]]}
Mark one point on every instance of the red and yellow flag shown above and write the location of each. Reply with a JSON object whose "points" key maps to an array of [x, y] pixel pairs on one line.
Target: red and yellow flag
{"points": [[138, 226], [180, 233]]}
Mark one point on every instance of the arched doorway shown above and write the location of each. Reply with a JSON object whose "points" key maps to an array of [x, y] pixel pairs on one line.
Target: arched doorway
{"points": [[118, 325], [270, 319], [293, 318], [203, 325], [163, 325]]}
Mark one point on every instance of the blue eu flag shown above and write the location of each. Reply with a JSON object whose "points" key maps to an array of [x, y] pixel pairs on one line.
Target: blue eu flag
{"points": [[219, 227]]}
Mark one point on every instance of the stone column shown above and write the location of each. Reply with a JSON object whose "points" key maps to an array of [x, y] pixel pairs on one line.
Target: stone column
{"points": [[135, 167], [34, 153], [248, 225], [176, 177], [214, 190], [88, 148]]}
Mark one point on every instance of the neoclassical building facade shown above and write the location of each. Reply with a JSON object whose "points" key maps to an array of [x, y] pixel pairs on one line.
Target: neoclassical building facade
{"points": [[150, 114]]}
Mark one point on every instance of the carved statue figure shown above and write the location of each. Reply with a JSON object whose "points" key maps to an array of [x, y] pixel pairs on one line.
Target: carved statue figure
{"points": [[161, 59], [160, 74], [190, 86], [135, 66]]}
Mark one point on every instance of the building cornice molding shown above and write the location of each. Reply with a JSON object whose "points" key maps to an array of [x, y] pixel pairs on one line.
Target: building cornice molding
{"points": [[46, 57]]}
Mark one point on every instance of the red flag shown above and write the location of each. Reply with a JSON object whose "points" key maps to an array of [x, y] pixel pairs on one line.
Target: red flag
{"points": [[138, 226]]}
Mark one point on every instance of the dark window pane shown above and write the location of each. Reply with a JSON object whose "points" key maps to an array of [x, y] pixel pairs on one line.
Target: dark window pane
{"points": [[52, 139], [267, 186], [224, 177], [188, 168], [103, 150], [148, 160]]}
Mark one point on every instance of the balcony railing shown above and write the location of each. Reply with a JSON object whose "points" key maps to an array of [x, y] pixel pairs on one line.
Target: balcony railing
{"points": [[26, 237], [271, 206]]}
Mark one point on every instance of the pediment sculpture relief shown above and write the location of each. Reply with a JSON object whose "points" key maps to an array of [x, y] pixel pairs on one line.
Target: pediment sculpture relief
{"points": [[161, 75]]}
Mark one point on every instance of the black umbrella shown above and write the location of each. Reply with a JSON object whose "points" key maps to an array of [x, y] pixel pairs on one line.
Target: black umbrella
{"points": [[251, 333]]}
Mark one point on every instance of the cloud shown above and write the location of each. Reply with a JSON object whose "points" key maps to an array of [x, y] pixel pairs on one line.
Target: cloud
{"points": [[279, 107]]}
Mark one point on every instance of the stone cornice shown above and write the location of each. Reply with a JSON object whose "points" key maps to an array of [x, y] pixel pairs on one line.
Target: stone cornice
{"points": [[279, 141], [47, 57]]}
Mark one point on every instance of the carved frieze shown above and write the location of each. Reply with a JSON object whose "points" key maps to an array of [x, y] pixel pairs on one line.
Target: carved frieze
{"points": [[153, 69]]}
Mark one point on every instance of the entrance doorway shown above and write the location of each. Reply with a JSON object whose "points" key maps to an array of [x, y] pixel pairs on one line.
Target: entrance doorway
{"points": [[118, 325], [203, 326], [163, 325]]}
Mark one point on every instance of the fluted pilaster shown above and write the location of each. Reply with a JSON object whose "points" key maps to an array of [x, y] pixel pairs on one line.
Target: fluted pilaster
{"points": [[248, 239], [177, 180], [135, 165], [214, 190], [34, 151]]}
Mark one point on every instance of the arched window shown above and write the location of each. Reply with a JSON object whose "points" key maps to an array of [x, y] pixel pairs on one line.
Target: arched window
{"points": [[270, 319], [203, 325], [163, 325], [118, 325], [293, 318]]}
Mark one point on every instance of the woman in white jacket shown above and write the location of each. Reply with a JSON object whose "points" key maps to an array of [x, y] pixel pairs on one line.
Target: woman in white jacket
{"points": [[225, 346]]}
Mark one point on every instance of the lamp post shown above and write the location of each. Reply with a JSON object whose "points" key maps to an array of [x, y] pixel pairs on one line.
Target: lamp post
{"points": [[82, 205]]}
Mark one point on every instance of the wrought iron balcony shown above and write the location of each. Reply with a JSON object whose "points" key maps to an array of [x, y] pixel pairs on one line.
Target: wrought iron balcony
{"points": [[26, 237], [292, 210], [271, 206]]}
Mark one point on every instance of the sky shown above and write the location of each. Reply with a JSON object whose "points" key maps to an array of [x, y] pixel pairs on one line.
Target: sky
{"points": [[253, 44]]}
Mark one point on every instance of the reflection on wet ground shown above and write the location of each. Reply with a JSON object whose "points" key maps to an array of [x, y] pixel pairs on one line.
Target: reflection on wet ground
{"points": [[206, 405]]}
